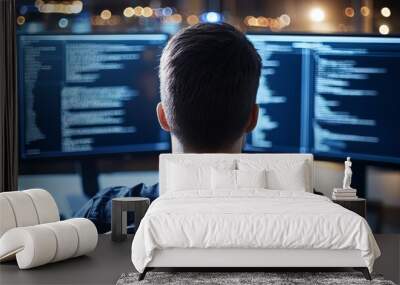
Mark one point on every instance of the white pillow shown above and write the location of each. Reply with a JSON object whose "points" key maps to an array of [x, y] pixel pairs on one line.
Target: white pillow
{"points": [[237, 179], [223, 179], [184, 176], [289, 175], [251, 178]]}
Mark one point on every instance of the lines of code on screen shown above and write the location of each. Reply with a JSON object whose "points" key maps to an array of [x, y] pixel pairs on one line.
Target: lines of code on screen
{"points": [[279, 98], [89, 94], [356, 100], [330, 95]]}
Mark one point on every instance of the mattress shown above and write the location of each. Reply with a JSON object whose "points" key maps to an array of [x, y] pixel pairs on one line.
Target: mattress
{"points": [[250, 219]]}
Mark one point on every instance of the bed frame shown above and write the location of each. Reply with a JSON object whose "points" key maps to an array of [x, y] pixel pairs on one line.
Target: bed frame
{"points": [[243, 259], [246, 258]]}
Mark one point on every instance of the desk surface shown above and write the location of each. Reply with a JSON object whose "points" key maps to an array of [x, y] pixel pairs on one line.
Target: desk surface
{"points": [[102, 266], [110, 259]]}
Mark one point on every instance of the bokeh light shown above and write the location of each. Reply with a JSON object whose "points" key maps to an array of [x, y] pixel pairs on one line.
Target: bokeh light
{"points": [[106, 14], [20, 20], [138, 11], [176, 18], [385, 11], [129, 12], [384, 29], [285, 19], [365, 11], [349, 12], [192, 20], [212, 17], [63, 23], [167, 11], [317, 14], [147, 12]]}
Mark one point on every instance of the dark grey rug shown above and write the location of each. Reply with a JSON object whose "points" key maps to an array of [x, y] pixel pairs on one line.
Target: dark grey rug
{"points": [[229, 278]]}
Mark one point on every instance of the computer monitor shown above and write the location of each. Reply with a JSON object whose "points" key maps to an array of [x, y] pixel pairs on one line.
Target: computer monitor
{"points": [[89, 94], [281, 123], [341, 92]]}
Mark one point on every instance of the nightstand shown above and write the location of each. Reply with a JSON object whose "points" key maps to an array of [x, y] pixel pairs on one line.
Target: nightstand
{"points": [[358, 205], [119, 209]]}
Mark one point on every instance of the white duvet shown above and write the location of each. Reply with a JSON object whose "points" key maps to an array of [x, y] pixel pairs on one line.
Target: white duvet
{"points": [[250, 219]]}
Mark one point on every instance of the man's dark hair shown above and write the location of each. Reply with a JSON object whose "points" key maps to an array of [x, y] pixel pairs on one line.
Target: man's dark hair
{"points": [[209, 79]]}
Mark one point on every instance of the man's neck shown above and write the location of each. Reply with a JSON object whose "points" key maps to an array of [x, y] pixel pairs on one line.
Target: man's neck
{"points": [[177, 147]]}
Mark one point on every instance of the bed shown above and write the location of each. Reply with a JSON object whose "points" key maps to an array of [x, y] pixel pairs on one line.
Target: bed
{"points": [[247, 210]]}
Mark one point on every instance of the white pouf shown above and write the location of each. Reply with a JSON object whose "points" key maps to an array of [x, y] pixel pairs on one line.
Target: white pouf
{"points": [[40, 244], [31, 231]]}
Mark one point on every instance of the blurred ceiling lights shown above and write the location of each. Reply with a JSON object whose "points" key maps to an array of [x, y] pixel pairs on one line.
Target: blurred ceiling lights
{"points": [[169, 15], [65, 7], [264, 22]]}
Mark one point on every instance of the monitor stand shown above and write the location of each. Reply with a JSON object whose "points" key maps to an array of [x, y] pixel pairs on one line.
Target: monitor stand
{"points": [[89, 177]]}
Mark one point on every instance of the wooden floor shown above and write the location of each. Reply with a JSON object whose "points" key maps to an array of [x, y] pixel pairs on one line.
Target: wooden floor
{"points": [[110, 260]]}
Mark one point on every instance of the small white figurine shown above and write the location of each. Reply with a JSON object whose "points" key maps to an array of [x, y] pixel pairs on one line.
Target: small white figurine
{"points": [[347, 192], [347, 174]]}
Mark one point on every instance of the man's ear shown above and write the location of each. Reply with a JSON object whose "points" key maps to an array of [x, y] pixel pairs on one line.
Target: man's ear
{"points": [[251, 124], [162, 118]]}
